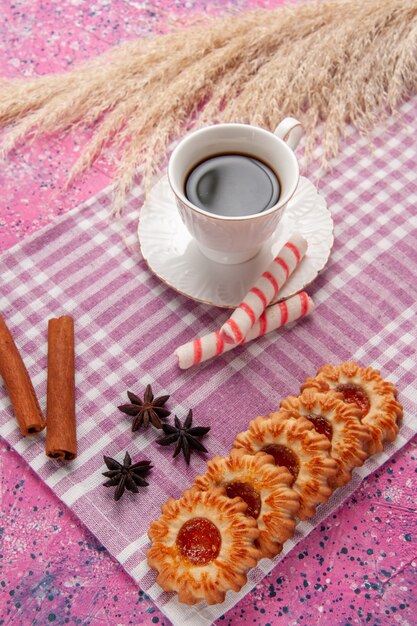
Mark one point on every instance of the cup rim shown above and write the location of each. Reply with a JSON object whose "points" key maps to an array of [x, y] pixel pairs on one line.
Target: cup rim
{"points": [[224, 218]]}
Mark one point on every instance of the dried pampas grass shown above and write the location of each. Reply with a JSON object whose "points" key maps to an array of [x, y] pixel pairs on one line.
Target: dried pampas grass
{"points": [[327, 63]]}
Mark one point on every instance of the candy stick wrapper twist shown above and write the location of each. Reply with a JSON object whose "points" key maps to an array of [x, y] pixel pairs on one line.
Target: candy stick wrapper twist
{"points": [[275, 316], [264, 291]]}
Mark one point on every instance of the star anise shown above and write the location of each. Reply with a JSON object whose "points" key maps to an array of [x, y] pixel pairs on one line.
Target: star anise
{"points": [[126, 476], [184, 435], [149, 409]]}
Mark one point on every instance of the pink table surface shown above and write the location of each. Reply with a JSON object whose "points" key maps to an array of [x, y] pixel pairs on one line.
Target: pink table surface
{"points": [[358, 567]]}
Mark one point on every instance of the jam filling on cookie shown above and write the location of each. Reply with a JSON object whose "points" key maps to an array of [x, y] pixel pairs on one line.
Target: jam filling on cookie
{"points": [[355, 394], [321, 425], [248, 494], [284, 457], [199, 541]]}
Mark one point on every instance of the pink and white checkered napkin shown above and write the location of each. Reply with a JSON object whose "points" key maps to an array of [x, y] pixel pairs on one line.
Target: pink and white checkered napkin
{"points": [[128, 324]]}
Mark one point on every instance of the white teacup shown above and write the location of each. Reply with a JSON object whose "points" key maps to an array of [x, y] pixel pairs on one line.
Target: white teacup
{"points": [[236, 239]]}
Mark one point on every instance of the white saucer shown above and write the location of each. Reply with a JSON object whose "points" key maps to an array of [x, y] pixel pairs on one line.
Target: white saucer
{"points": [[173, 255]]}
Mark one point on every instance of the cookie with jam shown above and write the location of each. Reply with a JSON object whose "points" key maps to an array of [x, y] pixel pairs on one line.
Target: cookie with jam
{"points": [[264, 487], [339, 422], [294, 444], [203, 545], [366, 389]]}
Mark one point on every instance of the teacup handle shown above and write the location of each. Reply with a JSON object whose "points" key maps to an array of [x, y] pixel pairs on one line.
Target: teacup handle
{"points": [[290, 131]]}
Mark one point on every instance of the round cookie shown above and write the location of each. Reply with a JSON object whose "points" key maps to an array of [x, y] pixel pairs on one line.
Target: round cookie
{"points": [[264, 487], [296, 445], [366, 389], [203, 545], [339, 422]]}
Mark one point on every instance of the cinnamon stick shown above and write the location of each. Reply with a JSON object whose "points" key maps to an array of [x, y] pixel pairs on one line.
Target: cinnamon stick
{"points": [[61, 439], [18, 385]]}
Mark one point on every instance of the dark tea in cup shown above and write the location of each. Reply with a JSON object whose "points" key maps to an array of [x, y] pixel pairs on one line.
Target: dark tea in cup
{"points": [[233, 185]]}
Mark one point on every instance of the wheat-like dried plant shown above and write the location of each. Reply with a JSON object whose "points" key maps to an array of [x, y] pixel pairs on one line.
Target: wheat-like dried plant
{"points": [[328, 63]]}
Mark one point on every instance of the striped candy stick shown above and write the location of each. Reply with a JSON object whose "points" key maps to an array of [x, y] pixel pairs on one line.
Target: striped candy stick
{"points": [[264, 291], [275, 316]]}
